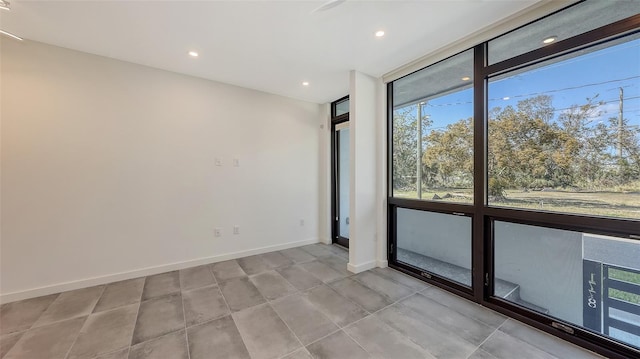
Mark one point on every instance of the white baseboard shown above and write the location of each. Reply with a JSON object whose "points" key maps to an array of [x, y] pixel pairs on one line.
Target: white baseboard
{"points": [[382, 263], [358, 268], [326, 240], [89, 282]]}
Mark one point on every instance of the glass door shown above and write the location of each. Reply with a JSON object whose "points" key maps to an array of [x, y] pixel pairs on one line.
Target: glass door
{"points": [[341, 183]]}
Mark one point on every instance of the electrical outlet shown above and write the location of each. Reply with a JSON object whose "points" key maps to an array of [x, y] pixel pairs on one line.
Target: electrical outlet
{"points": [[302, 223], [218, 162], [236, 162], [236, 229], [217, 232]]}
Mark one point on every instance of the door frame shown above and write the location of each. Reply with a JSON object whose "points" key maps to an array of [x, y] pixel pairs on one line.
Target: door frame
{"points": [[337, 123]]}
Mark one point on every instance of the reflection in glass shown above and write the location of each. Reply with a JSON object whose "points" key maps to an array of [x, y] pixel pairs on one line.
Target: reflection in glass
{"points": [[589, 280], [560, 26], [342, 107], [433, 132], [342, 138], [564, 135]]}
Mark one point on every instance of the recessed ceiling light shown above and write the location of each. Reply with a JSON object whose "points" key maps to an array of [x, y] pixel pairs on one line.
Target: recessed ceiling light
{"points": [[379, 33], [466, 78], [193, 54], [549, 39], [305, 83]]}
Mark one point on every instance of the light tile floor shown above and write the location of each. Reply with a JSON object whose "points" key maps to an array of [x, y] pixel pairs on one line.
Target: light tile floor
{"points": [[295, 303]]}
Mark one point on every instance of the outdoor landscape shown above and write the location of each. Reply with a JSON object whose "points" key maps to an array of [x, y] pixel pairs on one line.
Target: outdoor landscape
{"points": [[571, 160]]}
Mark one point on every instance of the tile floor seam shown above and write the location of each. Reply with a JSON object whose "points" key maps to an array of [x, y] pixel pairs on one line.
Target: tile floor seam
{"points": [[137, 313], [384, 295], [44, 311], [525, 342], [184, 317], [321, 338], [487, 338], [462, 314], [356, 304], [357, 343], [156, 338], [210, 267], [85, 321], [535, 346], [288, 327]]}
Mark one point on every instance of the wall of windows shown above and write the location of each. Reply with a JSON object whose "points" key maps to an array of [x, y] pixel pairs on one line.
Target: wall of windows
{"points": [[514, 174]]}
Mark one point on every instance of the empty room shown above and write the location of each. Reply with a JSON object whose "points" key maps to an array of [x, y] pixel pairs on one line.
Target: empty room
{"points": [[437, 179]]}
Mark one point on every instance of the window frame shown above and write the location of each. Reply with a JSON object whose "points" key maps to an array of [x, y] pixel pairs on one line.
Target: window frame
{"points": [[483, 216]]}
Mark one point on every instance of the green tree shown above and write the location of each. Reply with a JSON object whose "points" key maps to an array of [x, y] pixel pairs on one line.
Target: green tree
{"points": [[448, 157]]}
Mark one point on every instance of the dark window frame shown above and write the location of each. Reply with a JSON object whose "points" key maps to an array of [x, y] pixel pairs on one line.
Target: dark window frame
{"points": [[335, 211], [483, 215]]}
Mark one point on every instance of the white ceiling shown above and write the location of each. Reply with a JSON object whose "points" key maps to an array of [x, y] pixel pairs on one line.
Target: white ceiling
{"points": [[272, 46]]}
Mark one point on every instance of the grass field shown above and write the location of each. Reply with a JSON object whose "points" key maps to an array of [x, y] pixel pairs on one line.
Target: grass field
{"points": [[610, 204]]}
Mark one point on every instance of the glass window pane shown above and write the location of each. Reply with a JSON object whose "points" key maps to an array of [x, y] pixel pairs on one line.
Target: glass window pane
{"points": [[560, 26], [342, 107], [589, 280], [434, 161], [564, 135], [343, 181], [436, 243]]}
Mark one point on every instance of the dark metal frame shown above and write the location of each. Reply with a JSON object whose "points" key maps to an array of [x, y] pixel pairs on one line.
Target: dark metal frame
{"points": [[335, 190], [483, 216]]}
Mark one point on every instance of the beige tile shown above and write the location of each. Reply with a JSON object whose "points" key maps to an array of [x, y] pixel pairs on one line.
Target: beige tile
{"points": [[240, 294], [72, 304], [306, 322], [253, 265], [297, 255], [7, 342], [276, 260], [264, 333], [203, 304], [339, 309], [401, 278], [120, 293], [272, 285], [503, 346], [196, 277], [216, 339], [299, 277], [381, 341], [170, 346], [227, 270], [365, 297], [158, 316], [120, 354], [21, 315], [439, 342], [321, 271], [161, 284], [49, 341], [337, 345], [105, 332], [386, 287]]}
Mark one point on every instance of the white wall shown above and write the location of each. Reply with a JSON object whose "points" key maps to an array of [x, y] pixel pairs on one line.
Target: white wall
{"points": [[108, 170], [364, 172]]}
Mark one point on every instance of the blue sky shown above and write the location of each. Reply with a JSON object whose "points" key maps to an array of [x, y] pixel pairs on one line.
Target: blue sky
{"points": [[569, 82]]}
